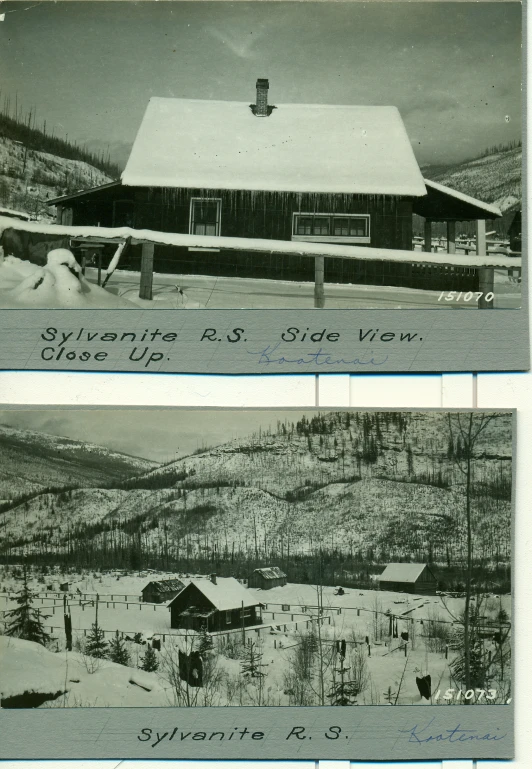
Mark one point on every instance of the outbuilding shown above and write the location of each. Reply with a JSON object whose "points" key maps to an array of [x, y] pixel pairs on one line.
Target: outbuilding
{"points": [[408, 578], [162, 591], [215, 604], [267, 577]]}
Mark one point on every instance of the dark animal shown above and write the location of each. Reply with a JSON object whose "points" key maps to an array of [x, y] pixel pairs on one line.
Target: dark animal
{"points": [[424, 686], [191, 668]]}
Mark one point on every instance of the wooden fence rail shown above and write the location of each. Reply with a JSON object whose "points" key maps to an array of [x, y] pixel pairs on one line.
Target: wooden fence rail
{"points": [[483, 262]]}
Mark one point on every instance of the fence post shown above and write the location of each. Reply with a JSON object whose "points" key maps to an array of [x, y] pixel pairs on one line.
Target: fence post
{"points": [[427, 245], [146, 271], [319, 289], [451, 237], [485, 274]]}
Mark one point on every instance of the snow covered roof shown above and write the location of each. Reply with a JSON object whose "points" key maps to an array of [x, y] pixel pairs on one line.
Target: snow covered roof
{"points": [[477, 208], [82, 193], [297, 148], [491, 209], [271, 572], [226, 594], [164, 586], [402, 572]]}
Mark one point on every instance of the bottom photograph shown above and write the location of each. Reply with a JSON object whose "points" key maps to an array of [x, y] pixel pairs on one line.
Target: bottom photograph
{"points": [[259, 559]]}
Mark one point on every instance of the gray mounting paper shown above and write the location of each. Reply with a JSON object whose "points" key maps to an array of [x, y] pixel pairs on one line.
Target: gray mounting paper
{"points": [[251, 341], [365, 325], [330, 444]]}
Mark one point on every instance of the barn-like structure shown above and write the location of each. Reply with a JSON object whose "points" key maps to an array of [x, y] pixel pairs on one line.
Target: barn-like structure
{"points": [[408, 578], [267, 577], [293, 172], [215, 604], [162, 591]]}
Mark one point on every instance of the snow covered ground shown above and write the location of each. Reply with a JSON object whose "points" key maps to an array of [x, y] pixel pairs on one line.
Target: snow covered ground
{"points": [[218, 293], [288, 612]]}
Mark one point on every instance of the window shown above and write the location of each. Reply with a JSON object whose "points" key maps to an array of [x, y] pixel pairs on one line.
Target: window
{"points": [[331, 228], [228, 617], [205, 216], [285, 607]]}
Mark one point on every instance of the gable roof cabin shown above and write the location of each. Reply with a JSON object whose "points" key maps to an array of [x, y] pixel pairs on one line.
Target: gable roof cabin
{"points": [[322, 173], [267, 577], [216, 603], [160, 591], [408, 577]]}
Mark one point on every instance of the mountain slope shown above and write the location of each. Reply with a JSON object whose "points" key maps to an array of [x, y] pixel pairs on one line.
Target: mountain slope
{"points": [[495, 178], [339, 481], [28, 178], [30, 461]]}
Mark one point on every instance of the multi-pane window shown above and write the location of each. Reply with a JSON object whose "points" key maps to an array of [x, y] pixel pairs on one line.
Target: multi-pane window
{"points": [[205, 216], [331, 225]]}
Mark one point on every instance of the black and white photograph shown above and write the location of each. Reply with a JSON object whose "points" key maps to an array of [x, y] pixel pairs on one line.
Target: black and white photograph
{"points": [[261, 558], [261, 155]]}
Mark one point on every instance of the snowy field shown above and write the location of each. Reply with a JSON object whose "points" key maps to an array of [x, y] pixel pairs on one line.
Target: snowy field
{"points": [[360, 617]]}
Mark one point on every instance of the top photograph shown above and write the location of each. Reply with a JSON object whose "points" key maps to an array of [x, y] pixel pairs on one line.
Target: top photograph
{"points": [[257, 155]]}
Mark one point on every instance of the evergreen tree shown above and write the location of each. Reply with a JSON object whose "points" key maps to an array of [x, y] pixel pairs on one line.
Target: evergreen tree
{"points": [[26, 621], [252, 663], [478, 661], [149, 661], [205, 642], [96, 645], [118, 652]]}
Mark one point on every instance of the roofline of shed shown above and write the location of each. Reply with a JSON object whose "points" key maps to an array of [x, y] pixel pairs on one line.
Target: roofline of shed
{"points": [[488, 207], [82, 193]]}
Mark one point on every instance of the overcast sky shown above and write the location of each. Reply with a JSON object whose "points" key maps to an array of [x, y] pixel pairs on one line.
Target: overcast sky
{"points": [[453, 69], [154, 434]]}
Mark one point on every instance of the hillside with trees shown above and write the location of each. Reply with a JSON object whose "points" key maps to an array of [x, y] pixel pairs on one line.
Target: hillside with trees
{"points": [[360, 488], [36, 165]]}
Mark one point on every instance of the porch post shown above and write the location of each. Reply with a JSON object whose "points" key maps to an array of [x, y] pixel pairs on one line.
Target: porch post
{"points": [[451, 237], [428, 236], [319, 288], [485, 274], [146, 271]]}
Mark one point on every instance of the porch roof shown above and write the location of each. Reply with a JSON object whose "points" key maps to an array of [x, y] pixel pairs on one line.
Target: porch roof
{"points": [[442, 204]]}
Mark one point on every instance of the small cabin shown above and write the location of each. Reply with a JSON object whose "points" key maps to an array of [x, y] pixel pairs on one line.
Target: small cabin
{"points": [[163, 591], [408, 578], [267, 577], [214, 604]]}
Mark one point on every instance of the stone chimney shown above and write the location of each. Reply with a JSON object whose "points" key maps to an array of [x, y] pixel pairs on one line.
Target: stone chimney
{"points": [[261, 108], [213, 579]]}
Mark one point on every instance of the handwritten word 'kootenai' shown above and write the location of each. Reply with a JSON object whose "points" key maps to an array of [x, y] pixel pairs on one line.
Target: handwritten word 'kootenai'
{"points": [[319, 357], [423, 734]]}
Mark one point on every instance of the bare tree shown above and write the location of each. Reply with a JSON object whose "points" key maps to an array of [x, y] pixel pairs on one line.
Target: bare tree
{"points": [[464, 433]]}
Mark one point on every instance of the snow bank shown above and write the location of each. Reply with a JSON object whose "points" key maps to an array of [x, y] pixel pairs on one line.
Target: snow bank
{"points": [[11, 212], [29, 667], [262, 246], [58, 284]]}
